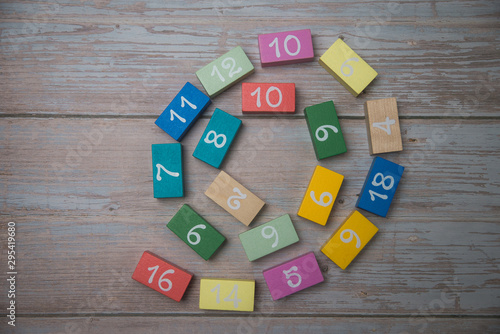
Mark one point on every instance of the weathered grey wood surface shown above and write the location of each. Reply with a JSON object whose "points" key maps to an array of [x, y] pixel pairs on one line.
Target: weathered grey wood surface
{"points": [[82, 83]]}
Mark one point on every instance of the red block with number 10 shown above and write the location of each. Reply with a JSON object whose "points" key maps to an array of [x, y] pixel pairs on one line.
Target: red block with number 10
{"points": [[162, 276], [267, 97]]}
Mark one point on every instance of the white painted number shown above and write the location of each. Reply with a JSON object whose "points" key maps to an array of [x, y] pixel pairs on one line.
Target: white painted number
{"points": [[235, 205], [349, 239], [228, 64], [268, 101], [216, 70], [160, 167], [344, 66], [161, 280], [195, 234], [373, 194], [257, 91], [215, 140], [321, 198], [288, 275], [174, 114], [388, 122], [381, 183], [234, 292], [287, 50], [183, 100], [269, 236], [324, 134]]}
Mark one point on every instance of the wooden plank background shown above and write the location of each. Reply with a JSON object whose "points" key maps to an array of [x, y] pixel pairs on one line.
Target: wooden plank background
{"points": [[82, 83]]}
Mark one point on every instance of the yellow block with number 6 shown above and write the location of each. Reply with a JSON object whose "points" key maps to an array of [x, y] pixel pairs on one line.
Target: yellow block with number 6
{"points": [[320, 195], [347, 67], [349, 239], [227, 294]]}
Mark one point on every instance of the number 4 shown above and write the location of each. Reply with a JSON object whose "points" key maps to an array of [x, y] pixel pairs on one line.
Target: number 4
{"points": [[234, 292], [388, 122]]}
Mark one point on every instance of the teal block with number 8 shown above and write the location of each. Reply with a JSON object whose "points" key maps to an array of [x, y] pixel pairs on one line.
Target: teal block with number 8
{"points": [[217, 138], [167, 170], [196, 232], [269, 237], [225, 71], [325, 131]]}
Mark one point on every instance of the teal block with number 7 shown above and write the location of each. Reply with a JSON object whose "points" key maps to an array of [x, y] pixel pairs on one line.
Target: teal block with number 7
{"points": [[217, 138], [196, 232], [167, 170], [325, 131], [225, 71], [269, 237]]}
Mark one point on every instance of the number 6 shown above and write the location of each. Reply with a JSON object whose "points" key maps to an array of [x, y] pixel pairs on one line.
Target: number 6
{"points": [[320, 201]]}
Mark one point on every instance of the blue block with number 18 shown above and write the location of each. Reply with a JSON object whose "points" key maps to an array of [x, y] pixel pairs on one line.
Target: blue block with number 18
{"points": [[183, 111], [217, 138], [167, 170], [380, 186]]}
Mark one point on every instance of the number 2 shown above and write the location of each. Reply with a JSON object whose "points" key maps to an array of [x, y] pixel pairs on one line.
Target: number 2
{"points": [[289, 275], [228, 64]]}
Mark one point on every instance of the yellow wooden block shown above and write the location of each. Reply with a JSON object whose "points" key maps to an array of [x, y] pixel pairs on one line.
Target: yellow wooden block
{"points": [[349, 239], [382, 125], [320, 195], [347, 67], [227, 294]]}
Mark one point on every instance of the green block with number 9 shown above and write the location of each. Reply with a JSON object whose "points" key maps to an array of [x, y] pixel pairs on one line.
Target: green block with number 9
{"points": [[225, 71], [325, 131], [196, 232]]}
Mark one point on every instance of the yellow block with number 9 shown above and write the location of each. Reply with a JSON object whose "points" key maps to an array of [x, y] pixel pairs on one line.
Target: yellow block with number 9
{"points": [[349, 239], [227, 294], [320, 195], [347, 67]]}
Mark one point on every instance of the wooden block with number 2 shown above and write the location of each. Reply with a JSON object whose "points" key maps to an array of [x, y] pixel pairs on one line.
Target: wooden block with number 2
{"points": [[162, 276], [320, 195], [382, 126], [267, 97], [227, 294]]}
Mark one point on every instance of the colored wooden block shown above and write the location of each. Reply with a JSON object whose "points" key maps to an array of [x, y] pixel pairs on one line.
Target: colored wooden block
{"points": [[347, 67], [380, 186], [168, 180], [269, 237], [227, 294], [225, 71], [217, 138], [267, 97], [162, 276], [349, 239], [382, 125], [196, 232], [320, 195], [180, 115], [293, 276], [234, 198], [287, 47], [325, 131]]}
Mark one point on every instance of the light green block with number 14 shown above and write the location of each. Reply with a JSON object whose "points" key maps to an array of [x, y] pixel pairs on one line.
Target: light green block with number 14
{"points": [[269, 237], [225, 71]]}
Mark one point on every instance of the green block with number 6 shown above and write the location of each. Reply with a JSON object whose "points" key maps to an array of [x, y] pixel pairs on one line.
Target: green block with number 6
{"points": [[196, 232], [325, 131], [225, 71]]}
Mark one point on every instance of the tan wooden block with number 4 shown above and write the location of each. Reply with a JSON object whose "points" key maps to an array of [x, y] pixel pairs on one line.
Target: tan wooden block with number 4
{"points": [[234, 198], [382, 125], [347, 67]]}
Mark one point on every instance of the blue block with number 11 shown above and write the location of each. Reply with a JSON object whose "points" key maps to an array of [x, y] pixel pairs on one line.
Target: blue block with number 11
{"points": [[380, 186], [217, 138], [167, 170]]}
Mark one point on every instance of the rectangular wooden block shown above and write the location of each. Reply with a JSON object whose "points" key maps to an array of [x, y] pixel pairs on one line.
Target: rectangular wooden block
{"points": [[162, 276], [269, 237], [227, 294], [347, 67], [225, 71], [217, 138], [320, 195], [382, 126], [287, 47], [293, 276], [168, 180], [325, 131], [267, 97], [234, 198], [349, 239], [183, 111], [380, 186], [196, 232]]}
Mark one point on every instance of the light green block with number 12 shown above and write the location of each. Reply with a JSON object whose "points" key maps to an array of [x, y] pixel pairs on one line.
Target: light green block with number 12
{"points": [[269, 237], [225, 71]]}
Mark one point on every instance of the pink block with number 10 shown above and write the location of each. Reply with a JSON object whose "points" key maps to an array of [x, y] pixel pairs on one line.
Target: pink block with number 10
{"points": [[287, 47], [293, 276]]}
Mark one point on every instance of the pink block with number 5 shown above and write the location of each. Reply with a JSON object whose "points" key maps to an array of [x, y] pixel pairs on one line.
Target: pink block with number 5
{"points": [[293, 276], [287, 47]]}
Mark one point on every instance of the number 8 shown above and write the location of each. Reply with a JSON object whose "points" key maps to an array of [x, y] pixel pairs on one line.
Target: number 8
{"points": [[382, 182]]}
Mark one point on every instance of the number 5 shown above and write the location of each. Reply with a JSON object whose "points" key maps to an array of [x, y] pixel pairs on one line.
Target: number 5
{"points": [[289, 275]]}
